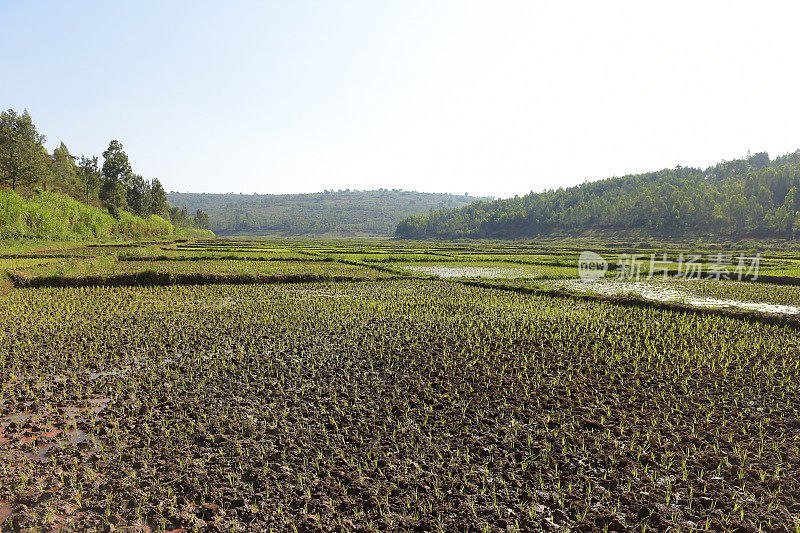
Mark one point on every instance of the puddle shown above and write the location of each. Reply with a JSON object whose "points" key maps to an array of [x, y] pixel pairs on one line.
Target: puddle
{"points": [[123, 370], [45, 430], [671, 293], [19, 417], [66, 437], [449, 271], [98, 375]]}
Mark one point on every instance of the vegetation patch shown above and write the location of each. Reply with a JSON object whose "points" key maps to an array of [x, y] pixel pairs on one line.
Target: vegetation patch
{"points": [[153, 278], [399, 404], [54, 216], [328, 394]]}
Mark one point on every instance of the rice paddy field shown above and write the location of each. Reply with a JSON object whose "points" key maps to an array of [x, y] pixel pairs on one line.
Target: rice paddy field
{"points": [[234, 385], [111, 267]]}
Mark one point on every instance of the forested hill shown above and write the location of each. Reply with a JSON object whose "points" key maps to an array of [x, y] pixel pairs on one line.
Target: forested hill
{"points": [[754, 196], [331, 212]]}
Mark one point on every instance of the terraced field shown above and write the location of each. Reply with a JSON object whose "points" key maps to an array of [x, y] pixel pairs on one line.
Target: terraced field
{"points": [[211, 266], [386, 401]]}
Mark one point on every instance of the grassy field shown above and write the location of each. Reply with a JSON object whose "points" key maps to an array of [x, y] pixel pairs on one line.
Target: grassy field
{"points": [[358, 386]]}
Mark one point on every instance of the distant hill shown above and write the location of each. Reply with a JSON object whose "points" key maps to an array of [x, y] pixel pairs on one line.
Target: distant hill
{"points": [[345, 213], [750, 197]]}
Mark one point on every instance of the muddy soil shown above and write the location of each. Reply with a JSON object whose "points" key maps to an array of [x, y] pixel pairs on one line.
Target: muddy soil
{"points": [[390, 405]]}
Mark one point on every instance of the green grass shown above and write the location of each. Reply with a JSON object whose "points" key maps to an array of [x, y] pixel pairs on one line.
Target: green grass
{"points": [[15, 264], [54, 216]]}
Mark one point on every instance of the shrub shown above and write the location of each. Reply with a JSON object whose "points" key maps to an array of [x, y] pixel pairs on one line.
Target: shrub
{"points": [[50, 215]]}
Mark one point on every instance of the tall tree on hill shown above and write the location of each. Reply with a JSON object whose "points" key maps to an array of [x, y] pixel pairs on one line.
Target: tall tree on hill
{"points": [[88, 177], [137, 194], [158, 200], [23, 158], [201, 219], [116, 171], [179, 216], [62, 169]]}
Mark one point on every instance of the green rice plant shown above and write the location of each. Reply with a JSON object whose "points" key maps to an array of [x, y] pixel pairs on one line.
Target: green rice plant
{"points": [[388, 403]]}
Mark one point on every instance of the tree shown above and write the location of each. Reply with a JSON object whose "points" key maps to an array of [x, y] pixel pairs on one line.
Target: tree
{"points": [[158, 200], [62, 169], [137, 194], [201, 219], [116, 164], [179, 216], [88, 177], [789, 199], [765, 198], [23, 158], [116, 171], [114, 195], [759, 160]]}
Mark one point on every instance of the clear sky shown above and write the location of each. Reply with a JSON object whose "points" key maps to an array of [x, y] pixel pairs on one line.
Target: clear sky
{"points": [[494, 97]]}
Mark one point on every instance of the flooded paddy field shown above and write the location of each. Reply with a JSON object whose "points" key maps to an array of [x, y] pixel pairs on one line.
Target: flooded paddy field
{"points": [[223, 266], [392, 404], [487, 269], [760, 297]]}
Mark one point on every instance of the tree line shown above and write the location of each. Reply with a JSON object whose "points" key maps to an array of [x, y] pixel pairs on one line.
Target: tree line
{"points": [[752, 196], [27, 167]]}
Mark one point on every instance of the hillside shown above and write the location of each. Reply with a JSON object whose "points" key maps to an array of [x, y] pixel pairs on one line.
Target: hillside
{"points": [[50, 215], [755, 197], [60, 196], [331, 212]]}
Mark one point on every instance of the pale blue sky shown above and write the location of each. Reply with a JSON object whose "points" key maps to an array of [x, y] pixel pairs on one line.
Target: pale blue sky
{"points": [[494, 97]]}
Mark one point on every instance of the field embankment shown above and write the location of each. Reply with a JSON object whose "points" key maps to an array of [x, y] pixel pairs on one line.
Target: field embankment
{"points": [[152, 278]]}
